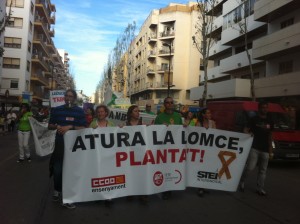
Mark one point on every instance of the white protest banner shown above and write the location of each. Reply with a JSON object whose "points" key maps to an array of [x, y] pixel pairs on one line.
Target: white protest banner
{"points": [[43, 138], [57, 98], [118, 117], [141, 160]]}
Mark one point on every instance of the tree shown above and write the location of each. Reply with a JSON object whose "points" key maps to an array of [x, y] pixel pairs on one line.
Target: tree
{"points": [[203, 38], [116, 60], [3, 23], [120, 51], [242, 20]]}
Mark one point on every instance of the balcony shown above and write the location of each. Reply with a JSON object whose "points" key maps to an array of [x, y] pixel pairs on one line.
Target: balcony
{"points": [[167, 34], [217, 49], [217, 25], [150, 70], [233, 35], [39, 79], [213, 73], [52, 32], [278, 85], [40, 60], [278, 43], [37, 91], [164, 68], [237, 62], [151, 54], [166, 52], [43, 10], [268, 10], [39, 40], [152, 37], [226, 89], [52, 18]]}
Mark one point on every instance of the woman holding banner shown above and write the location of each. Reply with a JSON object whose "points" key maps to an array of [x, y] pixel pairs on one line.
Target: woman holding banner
{"points": [[133, 119], [206, 122], [101, 121]]}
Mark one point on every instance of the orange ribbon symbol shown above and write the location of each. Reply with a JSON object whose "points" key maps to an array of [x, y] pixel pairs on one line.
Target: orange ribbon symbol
{"points": [[226, 163]]}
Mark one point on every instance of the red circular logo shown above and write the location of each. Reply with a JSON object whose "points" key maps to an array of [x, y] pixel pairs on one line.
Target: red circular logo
{"points": [[158, 178]]}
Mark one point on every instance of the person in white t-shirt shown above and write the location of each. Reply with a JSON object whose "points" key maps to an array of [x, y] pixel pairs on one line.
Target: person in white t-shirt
{"points": [[11, 120]]}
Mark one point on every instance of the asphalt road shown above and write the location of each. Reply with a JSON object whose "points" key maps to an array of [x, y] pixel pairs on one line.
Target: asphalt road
{"points": [[26, 192]]}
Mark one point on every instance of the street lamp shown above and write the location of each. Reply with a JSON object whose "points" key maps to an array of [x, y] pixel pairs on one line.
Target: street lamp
{"points": [[169, 74]]}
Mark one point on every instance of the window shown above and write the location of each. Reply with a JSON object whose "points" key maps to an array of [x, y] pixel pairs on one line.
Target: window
{"points": [[31, 8], [237, 14], [248, 76], [30, 27], [166, 75], [14, 84], [28, 66], [29, 46], [11, 62], [287, 23], [12, 42], [285, 67], [15, 3], [15, 22]]}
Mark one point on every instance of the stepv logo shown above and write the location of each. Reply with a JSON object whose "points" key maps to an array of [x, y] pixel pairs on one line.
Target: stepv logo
{"points": [[208, 177]]}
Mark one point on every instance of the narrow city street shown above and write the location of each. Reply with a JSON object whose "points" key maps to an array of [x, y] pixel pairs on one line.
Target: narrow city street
{"points": [[26, 192]]}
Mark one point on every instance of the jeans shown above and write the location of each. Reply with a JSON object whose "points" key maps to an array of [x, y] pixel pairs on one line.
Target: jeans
{"points": [[23, 138], [261, 159], [56, 165]]}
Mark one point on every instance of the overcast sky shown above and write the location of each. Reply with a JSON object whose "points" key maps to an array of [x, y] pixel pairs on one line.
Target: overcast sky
{"points": [[88, 29]]}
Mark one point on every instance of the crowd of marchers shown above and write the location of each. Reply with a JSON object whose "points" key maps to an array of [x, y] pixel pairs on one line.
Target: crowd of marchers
{"points": [[72, 117]]}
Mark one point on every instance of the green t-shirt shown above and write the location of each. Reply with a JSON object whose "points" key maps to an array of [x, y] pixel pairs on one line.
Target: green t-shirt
{"points": [[94, 123], [164, 118], [24, 124], [149, 112]]}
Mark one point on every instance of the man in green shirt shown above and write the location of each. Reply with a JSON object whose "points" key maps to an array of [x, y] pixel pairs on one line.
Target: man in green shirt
{"points": [[148, 109], [168, 117]]}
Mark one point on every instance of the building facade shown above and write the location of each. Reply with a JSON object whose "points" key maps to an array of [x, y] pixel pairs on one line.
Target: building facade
{"points": [[2, 28], [273, 44], [162, 59], [32, 65]]}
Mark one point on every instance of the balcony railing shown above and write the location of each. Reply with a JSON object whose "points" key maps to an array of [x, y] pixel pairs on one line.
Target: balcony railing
{"points": [[166, 51], [40, 78], [164, 68], [167, 33]]}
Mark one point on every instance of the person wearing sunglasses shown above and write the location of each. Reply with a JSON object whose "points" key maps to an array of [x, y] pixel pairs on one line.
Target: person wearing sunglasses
{"points": [[168, 117]]}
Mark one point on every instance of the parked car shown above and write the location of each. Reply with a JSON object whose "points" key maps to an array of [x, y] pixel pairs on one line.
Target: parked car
{"points": [[233, 116]]}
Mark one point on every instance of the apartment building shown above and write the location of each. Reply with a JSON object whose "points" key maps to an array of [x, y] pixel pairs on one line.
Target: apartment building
{"points": [[31, 63], [2, 19], [273, 43], [163, 55], [63, 78]]}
